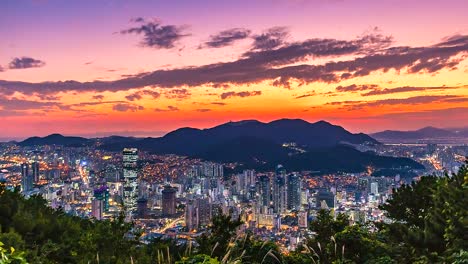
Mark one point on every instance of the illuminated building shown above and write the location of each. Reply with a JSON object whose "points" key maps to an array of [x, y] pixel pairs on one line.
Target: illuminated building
{"points": [[302, 219], [26, 178], [294, 192], [102, 194], [97, 208], [265, 191], [374, 188], [35, 171], [325, 199], [130, 174]]}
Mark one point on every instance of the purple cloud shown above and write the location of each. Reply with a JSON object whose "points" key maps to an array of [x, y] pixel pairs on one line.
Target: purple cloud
{"points": [[155, 34], [239, 94], [124, 107], [259, 66], [270, 39], [227, 37], [170, 108], [139, 95], [25, 63]]}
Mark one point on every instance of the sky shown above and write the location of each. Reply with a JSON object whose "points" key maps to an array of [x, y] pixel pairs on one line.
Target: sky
{"points": [[144, 68]]}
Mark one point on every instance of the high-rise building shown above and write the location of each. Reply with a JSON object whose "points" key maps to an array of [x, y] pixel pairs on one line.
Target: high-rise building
{"points": [[35, 171], [279, 195], [142, 207], [302, 220], [130, 173], [97, 208], [26, 178], [294, 192], [197, 213], [203, 212], [168, 201], [191, 221], [325, 199], [374, 188], [102, 194], [264, 190]]}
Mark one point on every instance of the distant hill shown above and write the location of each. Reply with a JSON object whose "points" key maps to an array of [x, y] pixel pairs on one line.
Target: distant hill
{"points": [[55, 139], [426, 133], [191, 140], [254, 144], [260, 145]]}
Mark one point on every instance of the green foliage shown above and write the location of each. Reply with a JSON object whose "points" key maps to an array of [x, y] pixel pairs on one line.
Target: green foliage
{"points": [[220, 234], [430, 218], [11, 256], [51, 236], [201, 258], [410, 203]]}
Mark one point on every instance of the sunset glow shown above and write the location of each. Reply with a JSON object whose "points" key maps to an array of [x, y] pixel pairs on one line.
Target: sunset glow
{"points": [[147, 67]]}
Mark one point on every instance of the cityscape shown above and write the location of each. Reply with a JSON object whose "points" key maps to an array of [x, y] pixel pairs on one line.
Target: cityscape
{"points": [[229, 132], [173, 196]]}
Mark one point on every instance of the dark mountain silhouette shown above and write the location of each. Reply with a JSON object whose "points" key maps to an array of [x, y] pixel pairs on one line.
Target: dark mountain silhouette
{"points": [[190, 140], [420, 134], [55, 139], [254, 144]]}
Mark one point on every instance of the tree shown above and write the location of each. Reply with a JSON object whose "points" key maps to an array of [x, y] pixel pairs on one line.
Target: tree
{"points": [[322, 245], [220, 234], [430, 218], [11, 256]]}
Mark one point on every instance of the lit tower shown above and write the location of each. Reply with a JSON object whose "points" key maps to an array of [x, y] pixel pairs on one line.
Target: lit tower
{"points": [[294, 192], [130, 174], [26, 178], [35, 171]]}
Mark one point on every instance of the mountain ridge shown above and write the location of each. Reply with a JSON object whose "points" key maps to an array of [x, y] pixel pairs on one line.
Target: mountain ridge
{"points": [[318, 146], [428, 132]]}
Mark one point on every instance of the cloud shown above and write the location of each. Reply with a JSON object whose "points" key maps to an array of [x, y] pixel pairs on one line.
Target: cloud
{"points": [[124, 107], [155, 34], [227, 95], [139, 95], [226, 37], [177, 94], [98, 97], [382, 91], [170, 108], [456, 113], [25, 63], [218, 103], [311, 93], [259, 66], [203, 110], [415, 100], [19, 104], [270, 39], [46, 97], [356, 87]]}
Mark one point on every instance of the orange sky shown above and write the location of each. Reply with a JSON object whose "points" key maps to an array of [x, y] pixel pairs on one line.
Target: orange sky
{"points": [[190, 83]]}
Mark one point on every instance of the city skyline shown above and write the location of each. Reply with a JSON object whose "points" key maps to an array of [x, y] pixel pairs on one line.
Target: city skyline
{"points": [[112, 66]]}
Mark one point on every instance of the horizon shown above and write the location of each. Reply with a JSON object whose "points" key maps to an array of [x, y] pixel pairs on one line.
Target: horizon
{"points": [[155, 134], [150, 67]]}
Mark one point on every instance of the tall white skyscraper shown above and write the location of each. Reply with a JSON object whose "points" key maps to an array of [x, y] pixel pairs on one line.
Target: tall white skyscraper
{"points": [[374, 188], [130, 174]]}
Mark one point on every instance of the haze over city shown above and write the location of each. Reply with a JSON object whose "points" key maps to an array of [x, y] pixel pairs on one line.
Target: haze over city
{"points": [[148, 67]]}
